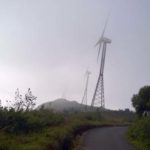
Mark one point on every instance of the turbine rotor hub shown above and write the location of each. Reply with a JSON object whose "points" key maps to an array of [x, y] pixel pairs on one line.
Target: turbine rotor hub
{"points": [[106, 40]]}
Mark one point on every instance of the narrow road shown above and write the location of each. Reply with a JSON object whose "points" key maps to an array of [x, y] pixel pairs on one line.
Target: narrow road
{"points": [[108, 138]]}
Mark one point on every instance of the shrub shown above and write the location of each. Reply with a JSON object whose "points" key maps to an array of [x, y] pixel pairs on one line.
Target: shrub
{"points": [[25, 122], [139, 133]]}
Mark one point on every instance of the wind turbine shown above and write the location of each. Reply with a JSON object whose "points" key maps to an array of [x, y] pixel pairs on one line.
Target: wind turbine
{"points": [[98, 97], [84, 99]]}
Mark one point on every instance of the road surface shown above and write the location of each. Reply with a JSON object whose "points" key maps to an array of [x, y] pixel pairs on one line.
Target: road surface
{"points": [[107, 138]]}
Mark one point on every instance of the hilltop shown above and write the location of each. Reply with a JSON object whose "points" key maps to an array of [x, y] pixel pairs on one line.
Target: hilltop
{"points": [[63, 105]]}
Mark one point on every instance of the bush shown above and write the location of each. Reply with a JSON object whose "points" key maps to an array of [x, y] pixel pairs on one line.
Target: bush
{"points": [[141, 101], [55, 130], [139, 133], [25, 122]]}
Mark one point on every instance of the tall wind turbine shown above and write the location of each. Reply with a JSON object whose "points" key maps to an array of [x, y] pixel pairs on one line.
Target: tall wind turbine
{"points": [[84, 99], [98, 97]]}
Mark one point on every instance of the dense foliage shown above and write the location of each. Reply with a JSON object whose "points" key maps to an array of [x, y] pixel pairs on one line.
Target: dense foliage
{"points": [[26, 121], [139, 133], [141, 101], [43, 129]]}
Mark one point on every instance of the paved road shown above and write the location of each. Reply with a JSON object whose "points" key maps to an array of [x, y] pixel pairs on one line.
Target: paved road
{"points": [[108, 138]]}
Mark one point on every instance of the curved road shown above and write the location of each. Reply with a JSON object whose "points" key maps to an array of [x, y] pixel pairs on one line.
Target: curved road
{"points": [[107, 138]]}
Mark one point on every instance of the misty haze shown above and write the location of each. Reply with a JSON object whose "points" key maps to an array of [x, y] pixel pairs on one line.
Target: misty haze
{"points": [[74, 73]]}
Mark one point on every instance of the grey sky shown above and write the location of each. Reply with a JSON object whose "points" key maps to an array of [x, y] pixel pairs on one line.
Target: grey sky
{"points": [[47, 45]]}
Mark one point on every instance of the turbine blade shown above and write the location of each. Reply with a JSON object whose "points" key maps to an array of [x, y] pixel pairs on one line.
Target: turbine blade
{"points": [[105, 26], [100, 45], [103, 32], [100, 40], [97, 42]]}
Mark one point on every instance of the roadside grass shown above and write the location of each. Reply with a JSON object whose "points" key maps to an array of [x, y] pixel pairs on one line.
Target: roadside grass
{"points": [[139, 133]]}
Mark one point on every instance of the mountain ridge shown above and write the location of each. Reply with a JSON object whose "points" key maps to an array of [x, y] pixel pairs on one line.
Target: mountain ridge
{"points": [[62, 104]]}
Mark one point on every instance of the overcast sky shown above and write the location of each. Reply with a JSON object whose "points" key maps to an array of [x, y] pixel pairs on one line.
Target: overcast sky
{"points": [[47, 45]]}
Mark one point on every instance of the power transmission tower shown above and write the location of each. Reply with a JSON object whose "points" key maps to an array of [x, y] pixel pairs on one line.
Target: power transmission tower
{"points": [[84, 99], [98, 97]]}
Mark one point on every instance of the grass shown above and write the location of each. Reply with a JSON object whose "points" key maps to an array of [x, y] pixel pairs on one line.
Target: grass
{"points": [[51, 131]]}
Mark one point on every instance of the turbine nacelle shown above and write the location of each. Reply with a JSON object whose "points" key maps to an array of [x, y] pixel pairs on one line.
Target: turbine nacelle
{"points": [[105, 40]]}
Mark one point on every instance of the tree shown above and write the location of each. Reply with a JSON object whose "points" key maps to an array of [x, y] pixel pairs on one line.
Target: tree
{"points": [[24, 103], [19, 102], [1, 107], [141, 101], [29, 100]]}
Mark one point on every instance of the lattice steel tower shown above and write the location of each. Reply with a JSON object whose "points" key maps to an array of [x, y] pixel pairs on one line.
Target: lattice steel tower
{"points": [[84, 99], [98, 97]]}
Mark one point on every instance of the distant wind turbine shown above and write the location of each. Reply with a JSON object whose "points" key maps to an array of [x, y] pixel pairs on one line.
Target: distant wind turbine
{"points": [[84, 99]]}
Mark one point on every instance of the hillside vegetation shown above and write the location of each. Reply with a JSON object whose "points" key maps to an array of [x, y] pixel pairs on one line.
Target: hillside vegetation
{"points": [[48, 130], [139, 131]]}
